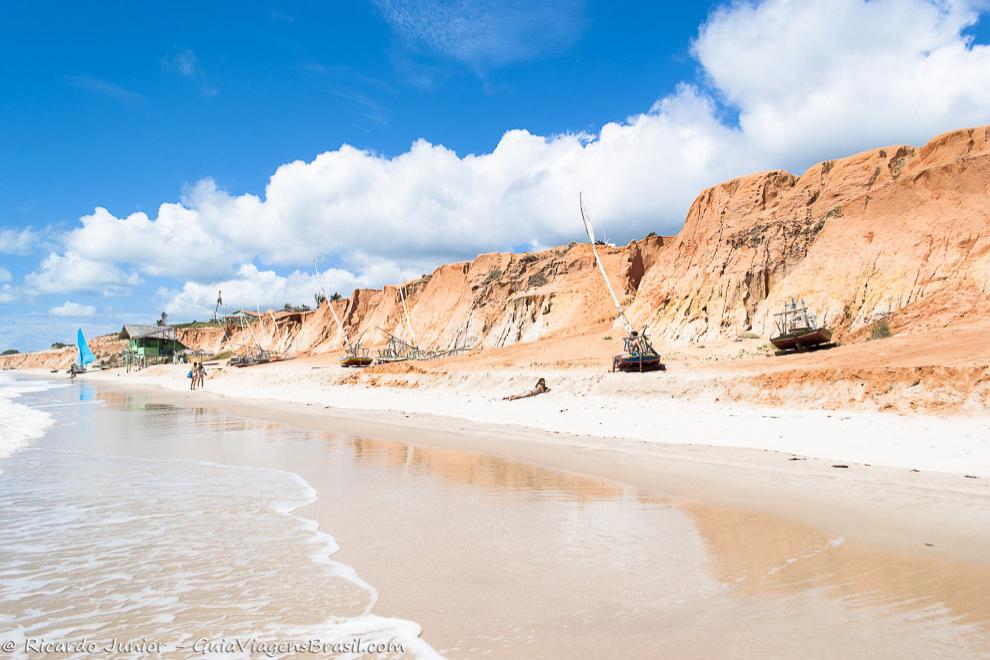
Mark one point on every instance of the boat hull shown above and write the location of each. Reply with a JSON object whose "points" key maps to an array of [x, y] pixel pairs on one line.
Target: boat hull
{"points": [[356, 362], [630, 363], [802, 340], [253, 363]]}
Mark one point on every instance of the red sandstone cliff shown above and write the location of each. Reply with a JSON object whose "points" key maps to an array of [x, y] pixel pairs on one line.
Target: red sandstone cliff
{"points": [[493, 300], [895, 229]]}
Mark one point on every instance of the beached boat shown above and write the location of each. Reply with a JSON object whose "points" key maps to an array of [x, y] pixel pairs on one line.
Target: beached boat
{"points": [[85, 355], [250, 359], [637, 355], [356, 361], [356, 356], [798, 330], [637, 352]]}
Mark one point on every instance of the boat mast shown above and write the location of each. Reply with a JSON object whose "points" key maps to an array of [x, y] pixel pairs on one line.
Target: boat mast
{"points": [[275, 322], [254, 335], [601, 267], [402, 296], [340, 326]]}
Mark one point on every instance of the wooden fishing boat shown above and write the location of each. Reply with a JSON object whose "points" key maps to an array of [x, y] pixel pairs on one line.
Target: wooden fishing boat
{"points": [[638, 363], [356, 361], [802, 339], [259, 356], [356, 356], [249, 362], [637, 354], [798, 330]]}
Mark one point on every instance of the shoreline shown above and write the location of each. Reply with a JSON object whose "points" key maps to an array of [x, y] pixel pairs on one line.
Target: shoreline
{"points": [[671, 409], [923, 513]]}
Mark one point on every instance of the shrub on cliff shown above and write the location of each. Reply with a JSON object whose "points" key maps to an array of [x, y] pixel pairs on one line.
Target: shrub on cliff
{"points": [[880, 329]]}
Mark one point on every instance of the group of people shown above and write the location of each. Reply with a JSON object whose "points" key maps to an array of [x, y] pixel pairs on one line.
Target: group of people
{"points": [[197, 376]]}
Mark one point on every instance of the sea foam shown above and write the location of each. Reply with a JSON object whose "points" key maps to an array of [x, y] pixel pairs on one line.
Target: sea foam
{"points": [[184, 551], [19, 423]]}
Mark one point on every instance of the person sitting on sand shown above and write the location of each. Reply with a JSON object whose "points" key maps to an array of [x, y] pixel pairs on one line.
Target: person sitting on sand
{"points": [[541, 387]]}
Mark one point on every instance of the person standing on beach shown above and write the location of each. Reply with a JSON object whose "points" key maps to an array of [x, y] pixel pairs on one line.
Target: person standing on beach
{"points": [[202, 375]]}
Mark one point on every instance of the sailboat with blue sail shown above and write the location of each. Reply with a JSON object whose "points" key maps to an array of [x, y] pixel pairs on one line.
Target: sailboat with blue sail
{"points": [[85, 354]]}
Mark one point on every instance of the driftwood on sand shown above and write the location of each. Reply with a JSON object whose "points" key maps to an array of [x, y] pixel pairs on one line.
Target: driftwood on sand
{"points": [[541, 388]]}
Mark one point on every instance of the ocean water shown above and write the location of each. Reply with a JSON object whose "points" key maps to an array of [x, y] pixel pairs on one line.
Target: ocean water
{"points": [[130, 522], [21, 423], [168, 555]]}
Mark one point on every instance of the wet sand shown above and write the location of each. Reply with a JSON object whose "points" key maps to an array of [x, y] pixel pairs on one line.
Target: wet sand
{"points": [[503, 541]]}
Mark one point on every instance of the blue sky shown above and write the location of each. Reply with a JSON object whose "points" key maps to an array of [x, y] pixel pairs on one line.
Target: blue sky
{"points": [[129, 106], [100, 103]]}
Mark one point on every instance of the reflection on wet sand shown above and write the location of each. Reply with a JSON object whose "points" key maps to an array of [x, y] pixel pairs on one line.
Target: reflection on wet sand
{"points": [[177, 416], [756, 558], [753, 554], [463, 467], [761, 555]]}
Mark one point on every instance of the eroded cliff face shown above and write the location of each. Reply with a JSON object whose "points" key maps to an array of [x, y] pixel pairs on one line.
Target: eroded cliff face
{"points": [[498, 299], [494, 300], [897, 229]]}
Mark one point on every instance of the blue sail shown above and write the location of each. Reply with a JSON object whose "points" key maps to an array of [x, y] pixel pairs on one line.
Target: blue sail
{"points": [[85, 355]]}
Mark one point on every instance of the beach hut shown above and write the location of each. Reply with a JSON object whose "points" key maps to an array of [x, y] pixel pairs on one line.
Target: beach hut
{"points": [[150, 343], [241, 316]]}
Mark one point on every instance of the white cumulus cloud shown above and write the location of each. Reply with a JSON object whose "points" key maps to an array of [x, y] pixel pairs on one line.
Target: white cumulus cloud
{"points": [[250, 287], [69, 308], [818, 79], [176, 243], [17, 241], [70, 272], [429, 204]]}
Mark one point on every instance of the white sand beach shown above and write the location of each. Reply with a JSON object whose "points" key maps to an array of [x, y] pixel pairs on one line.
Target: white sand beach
{"points": [[773, 526]]}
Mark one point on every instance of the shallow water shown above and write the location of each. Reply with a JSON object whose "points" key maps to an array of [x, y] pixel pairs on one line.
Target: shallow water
{"points": [[135, 521]]}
